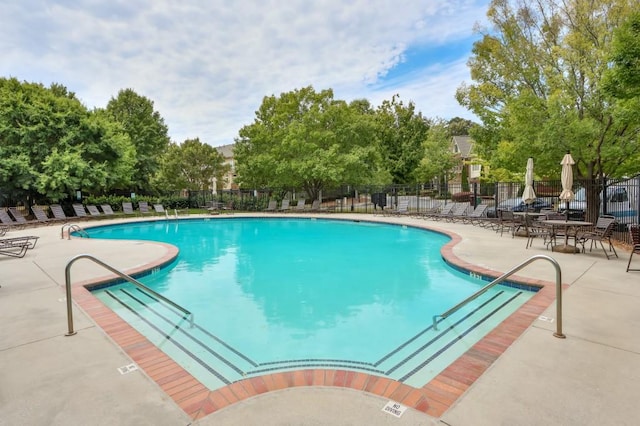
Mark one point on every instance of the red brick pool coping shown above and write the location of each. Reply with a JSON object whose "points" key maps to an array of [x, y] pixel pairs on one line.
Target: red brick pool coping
{"points": [[434, 398]]}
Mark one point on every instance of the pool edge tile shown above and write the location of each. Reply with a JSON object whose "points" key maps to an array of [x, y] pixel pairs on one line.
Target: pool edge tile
{"points": [[197, 401]]}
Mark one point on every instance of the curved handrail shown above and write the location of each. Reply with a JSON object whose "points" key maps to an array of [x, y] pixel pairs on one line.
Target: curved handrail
{"points": [[503, 277], [67, 274], [73, 227]]}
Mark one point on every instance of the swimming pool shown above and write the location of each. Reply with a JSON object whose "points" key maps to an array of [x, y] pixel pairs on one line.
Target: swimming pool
{"points": [[276, 294]]}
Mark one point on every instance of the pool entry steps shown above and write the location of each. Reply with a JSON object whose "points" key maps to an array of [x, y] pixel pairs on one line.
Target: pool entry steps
{"points": [[216, 364]]}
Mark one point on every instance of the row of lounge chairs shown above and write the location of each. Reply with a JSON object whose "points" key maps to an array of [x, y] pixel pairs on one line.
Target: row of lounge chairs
{"points": [[14, 217], [300, 206]]}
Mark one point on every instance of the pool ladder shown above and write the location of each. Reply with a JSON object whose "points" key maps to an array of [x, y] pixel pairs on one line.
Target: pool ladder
{"points": [[72, 227], [67, 275], [506, 275]]}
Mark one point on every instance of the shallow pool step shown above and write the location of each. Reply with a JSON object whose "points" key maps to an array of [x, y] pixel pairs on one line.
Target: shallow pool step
{"points": [[427, 353], [215, 363], [198, 351]]}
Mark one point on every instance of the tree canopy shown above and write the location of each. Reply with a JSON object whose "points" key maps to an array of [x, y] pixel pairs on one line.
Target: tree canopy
{"points": [[437, 155], [401, 131], [538, 88], [193, 165], [146, 130], [623, 79], [51, 145], [309, 140]]}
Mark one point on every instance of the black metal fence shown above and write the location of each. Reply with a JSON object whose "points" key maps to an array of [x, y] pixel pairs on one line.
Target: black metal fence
{"points": [[617, 197], [620, 198]]}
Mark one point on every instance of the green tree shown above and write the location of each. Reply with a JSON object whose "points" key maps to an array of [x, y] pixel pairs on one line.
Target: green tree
{"points": [[438, 158], [458, 126], [193, 165], [538, 89], [623, 79], [306, 139], [147, 132], [41, 129], [401, 132]]}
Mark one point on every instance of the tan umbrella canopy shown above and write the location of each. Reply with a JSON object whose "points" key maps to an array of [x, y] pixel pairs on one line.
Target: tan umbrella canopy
{"points": [[528, 195], [567, 178]]}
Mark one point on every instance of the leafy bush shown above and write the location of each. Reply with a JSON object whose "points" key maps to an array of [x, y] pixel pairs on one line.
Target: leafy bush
{"points": [[462, 197]]}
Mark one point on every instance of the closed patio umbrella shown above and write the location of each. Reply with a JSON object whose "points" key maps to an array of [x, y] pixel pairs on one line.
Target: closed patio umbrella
{"points": [[567, 178], [528, 195]]}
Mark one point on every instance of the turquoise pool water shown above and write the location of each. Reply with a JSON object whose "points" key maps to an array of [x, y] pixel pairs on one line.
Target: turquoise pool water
{"points": [[278, 290]]}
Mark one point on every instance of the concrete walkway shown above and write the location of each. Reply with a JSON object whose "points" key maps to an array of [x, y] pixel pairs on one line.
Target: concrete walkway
{"points": [[590, 378]]}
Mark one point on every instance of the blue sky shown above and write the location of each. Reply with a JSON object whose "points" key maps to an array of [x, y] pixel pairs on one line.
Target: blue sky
{"points": [[207, 65]]}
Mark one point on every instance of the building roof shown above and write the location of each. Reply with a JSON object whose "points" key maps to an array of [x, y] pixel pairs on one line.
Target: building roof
{"points": [[226, 150], [464, 145]]}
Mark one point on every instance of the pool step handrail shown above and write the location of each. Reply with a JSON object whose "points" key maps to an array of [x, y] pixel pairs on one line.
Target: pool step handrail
{"points": [[506, 275], [67, 274], [73, 227]]}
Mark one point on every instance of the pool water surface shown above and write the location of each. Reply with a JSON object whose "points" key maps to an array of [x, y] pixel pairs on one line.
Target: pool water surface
{"points": [[321, 292]]}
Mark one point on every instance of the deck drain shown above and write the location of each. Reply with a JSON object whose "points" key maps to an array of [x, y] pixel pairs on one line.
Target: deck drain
{"points": [[547, 319], [126, 369]]}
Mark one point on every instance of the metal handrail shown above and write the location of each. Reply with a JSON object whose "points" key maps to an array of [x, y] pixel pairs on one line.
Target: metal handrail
{"points": [[73, 227], [67, 274], [503, 277]]}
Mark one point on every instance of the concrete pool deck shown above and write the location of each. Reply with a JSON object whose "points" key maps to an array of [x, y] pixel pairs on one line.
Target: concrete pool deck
{"points": [[591, 377]]}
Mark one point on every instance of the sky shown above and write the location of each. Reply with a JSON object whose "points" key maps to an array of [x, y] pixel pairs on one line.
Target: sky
{"points": [[207, 64]]}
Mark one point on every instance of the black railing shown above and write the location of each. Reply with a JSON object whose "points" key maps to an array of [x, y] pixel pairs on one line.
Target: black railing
{"points": [[620, 198]]}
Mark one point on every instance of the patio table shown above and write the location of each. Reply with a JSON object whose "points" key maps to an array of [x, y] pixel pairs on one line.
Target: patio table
{"points": [[567, 225]]}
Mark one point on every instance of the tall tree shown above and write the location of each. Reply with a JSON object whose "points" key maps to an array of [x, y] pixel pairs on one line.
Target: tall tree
{"points": [[458, 126], [401, 131], [51, 145], [538, 89], [307, 139], [438, 157], [622, 80], [147, 131], [193, 165]]}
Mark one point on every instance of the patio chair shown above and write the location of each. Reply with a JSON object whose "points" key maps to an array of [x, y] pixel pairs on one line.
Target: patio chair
{"points": [[634, 233], [507, 221], [433, 207], [273, 205], [58, 213], [316, 207], [127, 208], [18, 216], [6, 219], [460, 210], [143, 206], [79, 210], [477, 215], [41, 215], [18, 246], [602, 232], [300, 206], [285, 206], [537, 229], [401, 209], [443, 213], [159, 208], [93, 210], [106, 209]]}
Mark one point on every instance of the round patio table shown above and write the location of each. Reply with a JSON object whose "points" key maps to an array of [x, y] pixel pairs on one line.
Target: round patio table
{"points": [[567, 225]]}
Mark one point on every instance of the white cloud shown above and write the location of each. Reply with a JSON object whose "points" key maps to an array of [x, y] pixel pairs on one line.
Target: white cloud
{"points": [[208, 64]]}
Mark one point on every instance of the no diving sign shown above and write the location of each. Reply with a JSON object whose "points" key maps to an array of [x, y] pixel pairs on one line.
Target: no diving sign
{"points": [[394, 408]]}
